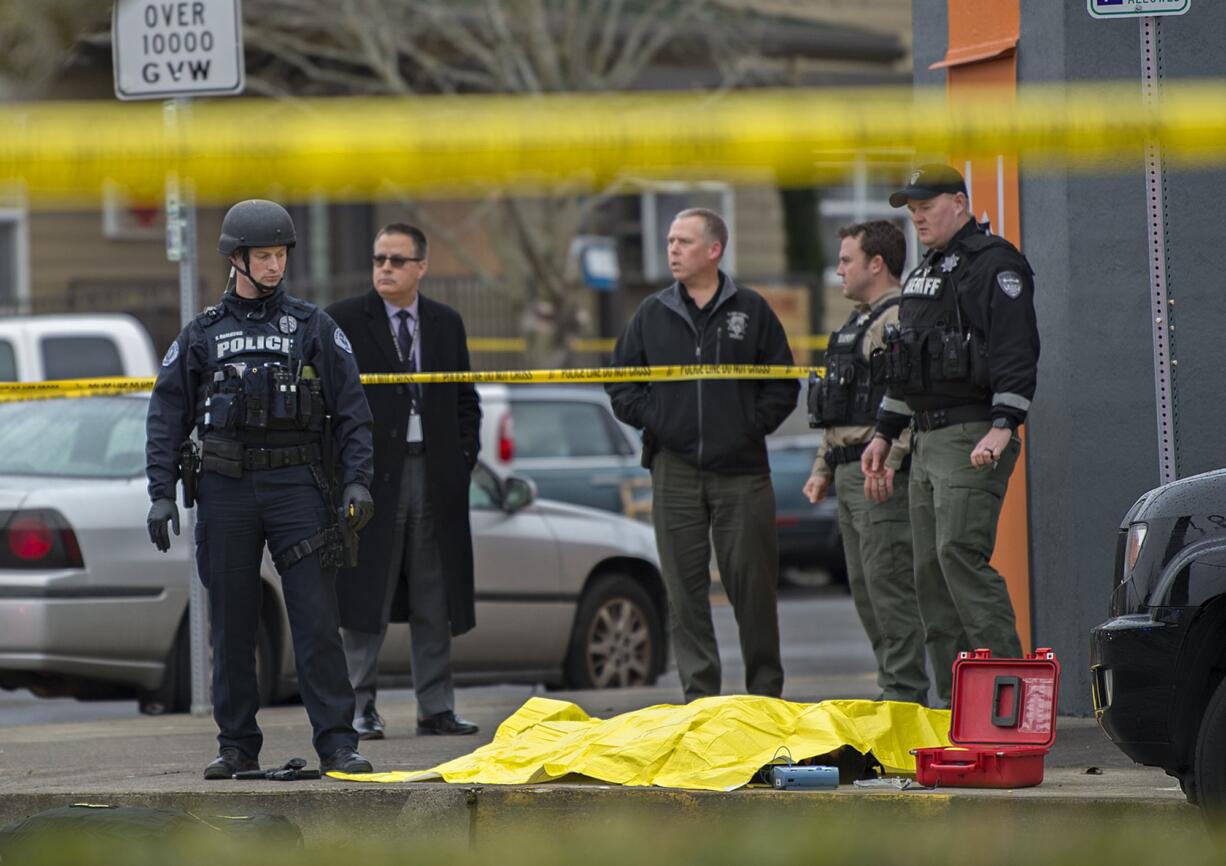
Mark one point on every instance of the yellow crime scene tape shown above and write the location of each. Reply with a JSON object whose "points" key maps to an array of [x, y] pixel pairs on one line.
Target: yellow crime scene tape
{"points": [[111, 386], [605, 344], [66, 153]]}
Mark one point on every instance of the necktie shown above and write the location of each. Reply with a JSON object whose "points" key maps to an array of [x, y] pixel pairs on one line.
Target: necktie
{"points": [[404, 340]]}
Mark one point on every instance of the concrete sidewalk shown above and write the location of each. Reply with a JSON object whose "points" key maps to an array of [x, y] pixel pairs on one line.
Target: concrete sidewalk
{"points": [[158, 761]]}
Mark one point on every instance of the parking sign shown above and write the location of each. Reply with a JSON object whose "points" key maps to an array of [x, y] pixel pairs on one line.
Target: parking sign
{"points": [[167, 48], [1136, 8]]}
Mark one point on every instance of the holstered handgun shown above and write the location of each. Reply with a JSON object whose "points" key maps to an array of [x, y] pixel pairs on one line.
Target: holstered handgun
{"points": [[349, 537], [189, 471]]}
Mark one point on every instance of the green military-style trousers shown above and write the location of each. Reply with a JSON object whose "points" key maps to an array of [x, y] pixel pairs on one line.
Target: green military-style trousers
{"points": [[692, 509], [877, 548], [963, 601]]}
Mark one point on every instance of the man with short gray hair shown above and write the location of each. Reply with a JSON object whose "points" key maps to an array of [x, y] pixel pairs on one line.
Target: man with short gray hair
{"points": [[705, 444]]}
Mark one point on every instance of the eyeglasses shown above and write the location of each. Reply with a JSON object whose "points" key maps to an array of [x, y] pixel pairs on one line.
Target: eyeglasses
{"points": [[397, 261]]}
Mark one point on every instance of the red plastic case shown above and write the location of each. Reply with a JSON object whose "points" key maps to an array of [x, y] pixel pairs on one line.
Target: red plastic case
{"points": [[1002, 726]]}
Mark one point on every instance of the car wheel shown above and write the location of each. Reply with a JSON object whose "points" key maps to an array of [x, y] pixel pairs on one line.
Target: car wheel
{"points": [[1209, 763], [174, 695], [618, 638]]}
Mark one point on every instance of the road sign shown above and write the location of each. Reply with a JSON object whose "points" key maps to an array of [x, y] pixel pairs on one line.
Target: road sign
{"points": [[1136, 8], [166, 48]]}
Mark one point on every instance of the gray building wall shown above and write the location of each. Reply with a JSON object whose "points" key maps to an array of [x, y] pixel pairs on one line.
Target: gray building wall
{"points": [[1092, 433]]}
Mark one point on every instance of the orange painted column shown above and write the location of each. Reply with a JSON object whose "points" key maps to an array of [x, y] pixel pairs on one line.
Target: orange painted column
{"points": [[982, 53]]}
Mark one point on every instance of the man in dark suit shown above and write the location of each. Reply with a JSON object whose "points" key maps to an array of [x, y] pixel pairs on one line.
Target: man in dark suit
{"points": [[418, 547]]}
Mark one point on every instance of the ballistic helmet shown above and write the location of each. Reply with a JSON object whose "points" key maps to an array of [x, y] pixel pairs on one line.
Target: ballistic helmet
{"points": [[256, 222]]}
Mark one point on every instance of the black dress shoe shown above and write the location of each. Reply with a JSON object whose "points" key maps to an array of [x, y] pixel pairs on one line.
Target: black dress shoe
{"points": [[446, 722], [369, 724], [345, 760], [228, 762]]}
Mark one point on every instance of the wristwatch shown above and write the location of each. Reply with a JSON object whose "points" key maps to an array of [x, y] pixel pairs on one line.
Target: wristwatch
{"points": [[1002, 423]]}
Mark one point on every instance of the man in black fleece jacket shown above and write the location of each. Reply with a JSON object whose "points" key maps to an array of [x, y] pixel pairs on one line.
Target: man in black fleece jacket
{"points": [[705, 444]]}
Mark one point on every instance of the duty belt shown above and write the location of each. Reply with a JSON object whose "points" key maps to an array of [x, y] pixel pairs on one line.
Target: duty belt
{"points": [[852, 453], [843, 454], [935, 419], [275, 458]]}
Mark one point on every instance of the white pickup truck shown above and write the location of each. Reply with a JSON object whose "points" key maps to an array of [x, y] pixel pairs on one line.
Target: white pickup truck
{"points": [[74, 346]]}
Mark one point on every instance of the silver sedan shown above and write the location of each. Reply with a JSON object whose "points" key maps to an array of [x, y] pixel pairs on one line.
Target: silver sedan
{"points": [[88, 607]]}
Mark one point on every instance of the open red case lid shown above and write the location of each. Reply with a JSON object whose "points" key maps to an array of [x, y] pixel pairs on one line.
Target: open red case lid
{"points": [[1009, 702]]}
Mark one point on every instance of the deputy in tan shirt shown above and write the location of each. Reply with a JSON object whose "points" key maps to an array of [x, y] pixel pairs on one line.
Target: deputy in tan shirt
{"points": [[876, 535]]}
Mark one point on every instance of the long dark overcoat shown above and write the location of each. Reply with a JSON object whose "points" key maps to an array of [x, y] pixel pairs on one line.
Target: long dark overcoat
{"points": [[451, 424]]}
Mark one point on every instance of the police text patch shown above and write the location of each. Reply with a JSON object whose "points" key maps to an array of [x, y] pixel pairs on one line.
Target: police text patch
{"points": [[342, 342], [234, 345], [172, 354], [1010, 283], [922, 285]]}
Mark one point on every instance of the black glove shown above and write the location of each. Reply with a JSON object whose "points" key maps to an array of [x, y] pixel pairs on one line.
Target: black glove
{"points": [[162, 511], [357, 506]]}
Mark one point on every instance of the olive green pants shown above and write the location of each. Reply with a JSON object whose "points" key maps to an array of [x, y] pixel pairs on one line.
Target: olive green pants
{"points": [[954, 508], [691, 509], [877, 548]]}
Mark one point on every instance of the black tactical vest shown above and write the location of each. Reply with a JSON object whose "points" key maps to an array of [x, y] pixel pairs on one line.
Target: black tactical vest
{"points": [[257, 387], [847, 394], [935, 350]]}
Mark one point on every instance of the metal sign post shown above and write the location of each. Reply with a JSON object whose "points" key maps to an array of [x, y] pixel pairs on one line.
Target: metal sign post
{"points": [[1162, 303], [181, 246]]}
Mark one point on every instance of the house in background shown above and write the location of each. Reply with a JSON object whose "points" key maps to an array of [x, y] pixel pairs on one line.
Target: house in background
{"points": [[113, 258]]}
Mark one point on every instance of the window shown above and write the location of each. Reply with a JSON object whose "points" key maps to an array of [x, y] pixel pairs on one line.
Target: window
{"points": [[80, 357], [14, 262], [8, 362], [562, 429], [102, 437], [483, 493]]}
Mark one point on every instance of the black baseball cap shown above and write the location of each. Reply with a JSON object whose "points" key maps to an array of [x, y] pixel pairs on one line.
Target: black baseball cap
{"points": [[929, 181]]}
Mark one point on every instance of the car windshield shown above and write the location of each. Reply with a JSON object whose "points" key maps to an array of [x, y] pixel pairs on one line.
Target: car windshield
{"points": [[98, 437]]}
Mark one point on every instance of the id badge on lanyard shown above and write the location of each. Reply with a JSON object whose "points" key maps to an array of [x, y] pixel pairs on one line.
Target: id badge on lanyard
{"points": [[414, 432]]}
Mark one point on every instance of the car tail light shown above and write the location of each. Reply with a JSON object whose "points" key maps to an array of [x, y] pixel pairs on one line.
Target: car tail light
{"points": [[38, 538], [788, 521], [1132, 552], [506, 438]]}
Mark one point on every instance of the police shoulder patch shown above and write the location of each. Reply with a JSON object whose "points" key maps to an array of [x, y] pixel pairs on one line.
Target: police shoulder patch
{"points": [[1010, 283], [172, 354], [342, 342]]}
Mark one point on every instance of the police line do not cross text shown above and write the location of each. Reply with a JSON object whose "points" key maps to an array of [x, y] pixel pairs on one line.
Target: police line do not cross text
{"points": [[167, 48]]}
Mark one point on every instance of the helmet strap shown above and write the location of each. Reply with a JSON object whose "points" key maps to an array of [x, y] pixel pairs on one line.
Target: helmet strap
{"points": [[246, 272]]}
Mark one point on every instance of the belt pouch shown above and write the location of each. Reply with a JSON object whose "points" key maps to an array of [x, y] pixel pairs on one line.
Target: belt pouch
{"points": [[223, 456]]}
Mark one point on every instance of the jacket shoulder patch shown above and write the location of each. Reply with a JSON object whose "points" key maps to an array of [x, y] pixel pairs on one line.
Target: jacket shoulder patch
{"points": [[1010, 283]]}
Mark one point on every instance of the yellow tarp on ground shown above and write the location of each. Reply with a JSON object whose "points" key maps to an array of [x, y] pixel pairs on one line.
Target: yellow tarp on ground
{"points": [[714, 744]]}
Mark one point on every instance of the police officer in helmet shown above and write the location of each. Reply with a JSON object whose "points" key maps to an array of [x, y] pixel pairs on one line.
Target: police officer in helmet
{"points": [[270, 385], [961, 369]]}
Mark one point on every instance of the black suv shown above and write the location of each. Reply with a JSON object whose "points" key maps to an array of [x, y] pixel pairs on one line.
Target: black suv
{"points": [[1159, 662]]}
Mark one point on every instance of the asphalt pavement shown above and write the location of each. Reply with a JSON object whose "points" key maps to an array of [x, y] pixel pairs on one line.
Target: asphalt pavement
{"points": [[118, 756]]}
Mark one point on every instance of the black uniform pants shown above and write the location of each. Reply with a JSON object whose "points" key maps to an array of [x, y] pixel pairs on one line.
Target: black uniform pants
{"points": [[236, 517]]}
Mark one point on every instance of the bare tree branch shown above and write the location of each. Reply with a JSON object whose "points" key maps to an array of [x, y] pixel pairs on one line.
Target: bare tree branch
{"points": [[602, 60]]}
